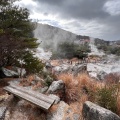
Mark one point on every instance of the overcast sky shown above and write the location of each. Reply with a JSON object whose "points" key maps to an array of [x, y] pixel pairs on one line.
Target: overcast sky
{"points": [[96, 18]]}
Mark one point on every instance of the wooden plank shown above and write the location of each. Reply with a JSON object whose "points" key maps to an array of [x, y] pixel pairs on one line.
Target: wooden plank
{"points": [[44, 105], [34, 93], [27, 97]]}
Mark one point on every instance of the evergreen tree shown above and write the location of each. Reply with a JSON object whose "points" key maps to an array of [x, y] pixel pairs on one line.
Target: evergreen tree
{"points": [[16, 37]]}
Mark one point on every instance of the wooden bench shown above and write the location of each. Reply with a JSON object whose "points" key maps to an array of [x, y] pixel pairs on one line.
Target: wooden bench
{"points": [[41, 100]]}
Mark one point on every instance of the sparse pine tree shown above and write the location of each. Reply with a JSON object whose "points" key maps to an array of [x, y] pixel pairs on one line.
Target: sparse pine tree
{"points": [[16, 34]]}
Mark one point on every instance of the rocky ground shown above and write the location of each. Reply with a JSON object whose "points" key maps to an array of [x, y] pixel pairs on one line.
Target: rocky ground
{"points": [[18, 109], [12, 108]]}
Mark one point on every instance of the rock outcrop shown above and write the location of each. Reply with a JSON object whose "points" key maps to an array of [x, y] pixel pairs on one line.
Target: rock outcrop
{"points": [[100, 70], [63, 112], [59, 113], [56, 86], [2, 112], [62, 68], [7, 73], [79, 68], [12, 72], [92, 111]]}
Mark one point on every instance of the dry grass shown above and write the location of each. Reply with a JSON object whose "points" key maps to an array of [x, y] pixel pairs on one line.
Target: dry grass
{"points": [[76, 87], [118, 105], [71, 89], [83, 98], [79, 89]]}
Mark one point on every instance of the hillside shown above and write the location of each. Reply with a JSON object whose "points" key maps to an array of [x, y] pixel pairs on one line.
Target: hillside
{"points": [[51, 36]]}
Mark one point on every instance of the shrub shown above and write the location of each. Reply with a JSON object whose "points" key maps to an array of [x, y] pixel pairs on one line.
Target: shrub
{"points": [[32, 64], [107, 98], [70, 50], [48, 81], [48, 78]]}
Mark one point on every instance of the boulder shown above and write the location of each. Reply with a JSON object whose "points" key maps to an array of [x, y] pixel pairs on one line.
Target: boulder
{"points": [[92, 111], [56, 86], [12, 72], [101, 75], [62, 68], [79, 68], [2, 112], [59, 113], [4, 72]]}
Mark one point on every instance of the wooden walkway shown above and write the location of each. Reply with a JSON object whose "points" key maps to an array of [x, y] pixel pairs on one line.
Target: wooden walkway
{"points": [[41, 100]]}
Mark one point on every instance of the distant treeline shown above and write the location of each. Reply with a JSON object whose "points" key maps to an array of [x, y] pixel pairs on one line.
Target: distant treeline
{"points": [[70, 50], [109, 47]]}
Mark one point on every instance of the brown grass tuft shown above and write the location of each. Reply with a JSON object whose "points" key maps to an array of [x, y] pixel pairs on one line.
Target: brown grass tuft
{"points": [[71, 89], [118, 106], [77, 87]]}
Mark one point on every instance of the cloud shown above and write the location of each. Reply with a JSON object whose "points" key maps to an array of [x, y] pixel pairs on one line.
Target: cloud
{"points": [[113, 7], [96, 18], [87, 9]]}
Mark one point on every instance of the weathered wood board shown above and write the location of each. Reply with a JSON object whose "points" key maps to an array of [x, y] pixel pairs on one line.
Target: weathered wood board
{"points": [[41, 100]]}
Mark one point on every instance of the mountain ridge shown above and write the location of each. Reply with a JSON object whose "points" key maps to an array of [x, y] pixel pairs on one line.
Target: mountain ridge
{"points": [[52, 36]]}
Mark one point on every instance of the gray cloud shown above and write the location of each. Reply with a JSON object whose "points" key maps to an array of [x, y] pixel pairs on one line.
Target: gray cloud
{"points": [[87, 11]]}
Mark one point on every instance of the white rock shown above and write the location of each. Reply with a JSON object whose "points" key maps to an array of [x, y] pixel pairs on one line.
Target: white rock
{"points": [[9, 73], [92, 111], [56, 86], [59, 114]]}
